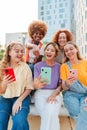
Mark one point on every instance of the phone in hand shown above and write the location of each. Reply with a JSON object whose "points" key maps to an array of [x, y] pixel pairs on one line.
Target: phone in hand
{"points": [[10, 72], [46, 74], [73, 73]]}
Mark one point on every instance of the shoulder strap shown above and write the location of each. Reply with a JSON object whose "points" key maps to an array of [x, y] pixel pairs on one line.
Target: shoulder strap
{"points": [[27, 55], [40, 45], [69, 65]]}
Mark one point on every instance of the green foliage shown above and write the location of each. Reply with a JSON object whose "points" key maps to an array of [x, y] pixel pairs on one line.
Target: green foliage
{"points": [[1, 53], [45, 42]]}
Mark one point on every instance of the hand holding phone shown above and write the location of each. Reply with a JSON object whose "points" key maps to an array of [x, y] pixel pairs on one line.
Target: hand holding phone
{"points": [[73, 73], [46, 74], [10, 72]]}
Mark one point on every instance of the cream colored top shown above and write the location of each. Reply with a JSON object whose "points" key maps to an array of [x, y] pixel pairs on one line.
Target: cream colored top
{"points": [[23, 81]]}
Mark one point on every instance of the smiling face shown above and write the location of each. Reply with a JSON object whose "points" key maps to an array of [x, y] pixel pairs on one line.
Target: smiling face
{"points": [[37, 36], [70, 51], [62, 39], [16, 53], [50, 52]]}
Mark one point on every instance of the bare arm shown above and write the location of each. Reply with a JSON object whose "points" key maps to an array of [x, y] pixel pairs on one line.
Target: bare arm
{"points": [[18, 104], [3, 85], [57, 91], [67, 83], [52, 98]]}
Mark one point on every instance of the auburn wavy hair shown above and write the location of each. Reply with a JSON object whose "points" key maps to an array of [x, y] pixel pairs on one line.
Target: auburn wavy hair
{"points": [[37, 25], [56, 36]]}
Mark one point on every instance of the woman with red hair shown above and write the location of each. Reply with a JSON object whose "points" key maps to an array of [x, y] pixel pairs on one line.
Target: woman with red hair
{"points": [[61, 37]]}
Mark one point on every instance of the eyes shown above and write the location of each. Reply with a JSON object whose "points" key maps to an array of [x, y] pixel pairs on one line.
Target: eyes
{"points": [[51, 50], [19, 51], [38, 33], [62, 38], [69, 49]]}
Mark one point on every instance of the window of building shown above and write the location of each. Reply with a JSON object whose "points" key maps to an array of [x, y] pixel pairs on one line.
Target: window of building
{"points": [[86, 14], [59, 21], [82, 50], [42, 18], [66, 4], [50, 6], [48, 12], [48, 1], [46, 7], [43, 2], [61, 10], [65, 21], [85, 48], [55, 16], [54, 11], [61, 16], [55, 6], [86, 37], [42, 8], [55, 0], [63, 25], [42, 13], [60, 5], [50, 22], [54, 22], [86, 2], [48, 17]]}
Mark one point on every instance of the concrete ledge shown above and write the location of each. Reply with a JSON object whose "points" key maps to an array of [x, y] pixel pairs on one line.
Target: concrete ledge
{"points": [[34, 112]]}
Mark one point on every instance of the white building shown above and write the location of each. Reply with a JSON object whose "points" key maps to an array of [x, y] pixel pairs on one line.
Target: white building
{"points": [[81, 26], [20, 37], [58, 14]]}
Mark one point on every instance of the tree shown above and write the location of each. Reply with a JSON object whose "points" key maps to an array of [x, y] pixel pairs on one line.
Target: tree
{"points": [[1, 53]]}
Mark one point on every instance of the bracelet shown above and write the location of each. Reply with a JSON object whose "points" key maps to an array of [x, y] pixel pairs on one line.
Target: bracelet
{"points": [[66, 85]]}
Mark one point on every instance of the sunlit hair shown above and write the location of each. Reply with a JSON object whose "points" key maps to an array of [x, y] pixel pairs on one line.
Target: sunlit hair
{"points": [[78, 53], [55, 37], [6, 57], [37, 25], [54, 45]]}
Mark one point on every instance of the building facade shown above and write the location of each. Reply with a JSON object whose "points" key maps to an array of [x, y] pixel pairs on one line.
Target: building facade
{"points": [[81, 26], [58, 14], [20, 37]]}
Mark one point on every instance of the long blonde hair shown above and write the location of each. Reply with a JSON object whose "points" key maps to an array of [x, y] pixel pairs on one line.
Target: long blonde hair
{"points": [[6, 57], [78, 53]]}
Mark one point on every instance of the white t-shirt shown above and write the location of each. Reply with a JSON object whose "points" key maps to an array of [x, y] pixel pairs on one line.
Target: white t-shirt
{"points": [[32, 57]]}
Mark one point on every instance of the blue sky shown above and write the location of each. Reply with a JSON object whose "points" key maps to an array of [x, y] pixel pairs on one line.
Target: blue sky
{"points": [[15, 16]]}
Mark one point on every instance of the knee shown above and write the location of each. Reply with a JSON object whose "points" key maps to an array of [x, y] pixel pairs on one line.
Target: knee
{"points": [[19, 120]]}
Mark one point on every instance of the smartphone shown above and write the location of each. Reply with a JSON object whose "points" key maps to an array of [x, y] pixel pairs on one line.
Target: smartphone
{"points": [[73, 73], [46, 74], [10, 71]]}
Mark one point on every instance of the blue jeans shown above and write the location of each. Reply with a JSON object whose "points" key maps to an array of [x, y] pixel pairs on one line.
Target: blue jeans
{"points": [[74, 102], [20, 119]]}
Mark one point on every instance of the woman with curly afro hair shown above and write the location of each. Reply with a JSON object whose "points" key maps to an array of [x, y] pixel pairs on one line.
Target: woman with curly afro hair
{"points": [[34, 47], [61, 37]]}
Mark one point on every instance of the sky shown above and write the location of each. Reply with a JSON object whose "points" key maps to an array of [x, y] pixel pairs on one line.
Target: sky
{"points": [[15, 16]]}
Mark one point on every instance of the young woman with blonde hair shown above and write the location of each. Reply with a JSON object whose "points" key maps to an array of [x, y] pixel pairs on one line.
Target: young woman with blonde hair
{"points": [[14, 93]]}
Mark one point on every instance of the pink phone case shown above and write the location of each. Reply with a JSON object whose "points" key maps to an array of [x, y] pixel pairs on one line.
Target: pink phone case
{"points": [[73, 73]]}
